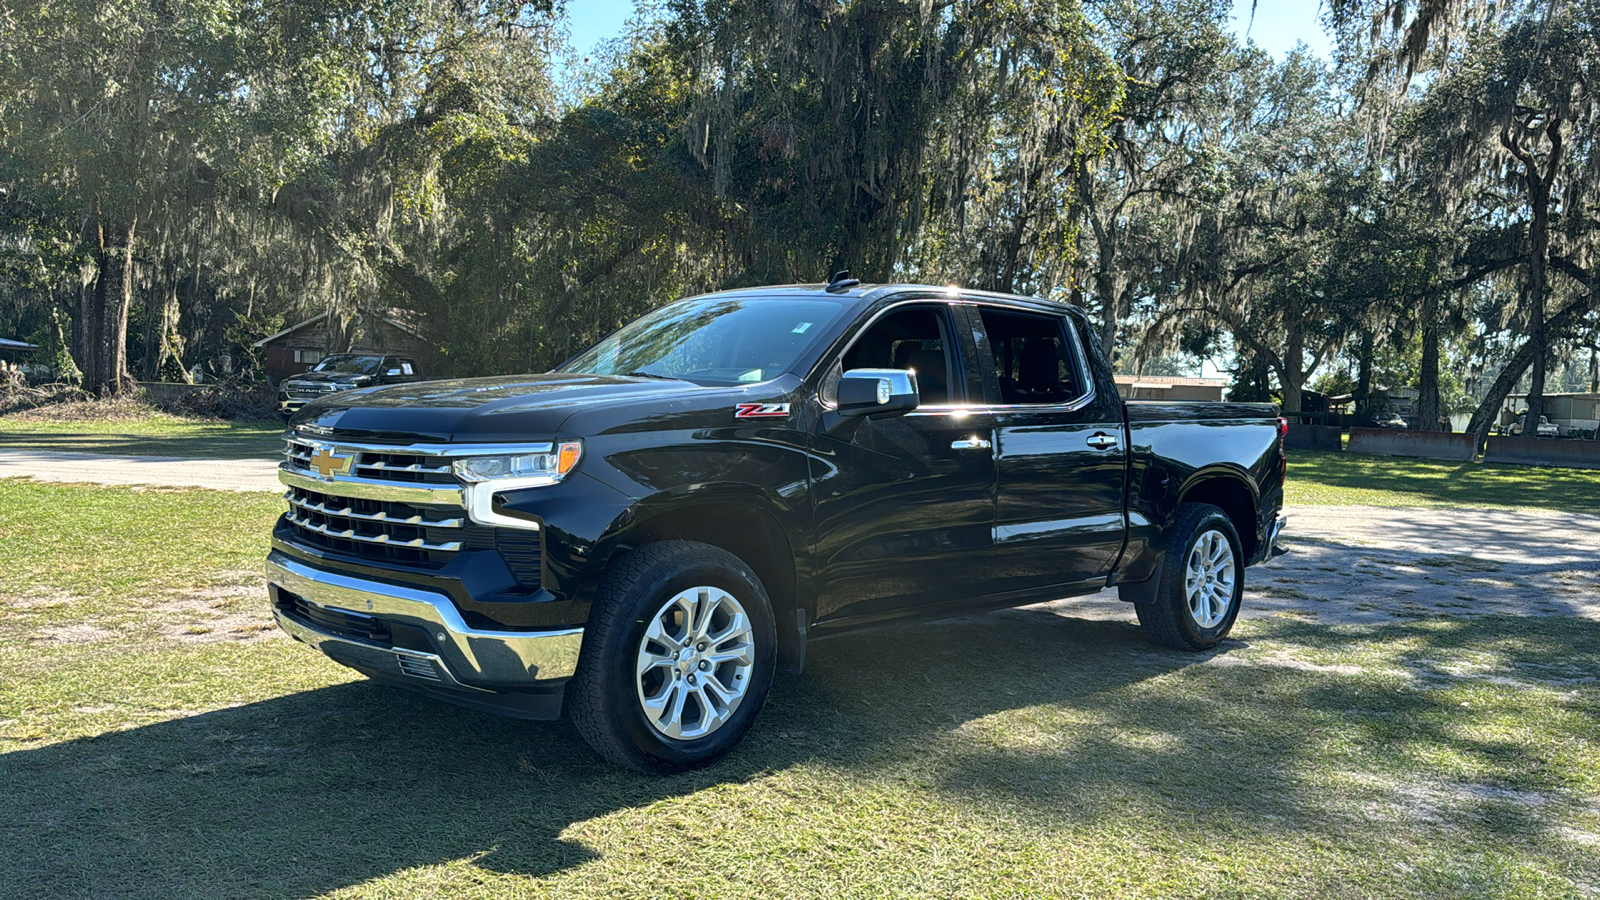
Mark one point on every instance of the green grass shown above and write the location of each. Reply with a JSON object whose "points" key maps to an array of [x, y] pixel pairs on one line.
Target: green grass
{"points": [[1014, 756], [154, 435], [1345, 479]]}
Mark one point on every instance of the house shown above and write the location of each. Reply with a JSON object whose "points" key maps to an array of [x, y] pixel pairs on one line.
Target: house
{"points": [[15, 351], [1569, 412], [1164, 387], [299, 347]]}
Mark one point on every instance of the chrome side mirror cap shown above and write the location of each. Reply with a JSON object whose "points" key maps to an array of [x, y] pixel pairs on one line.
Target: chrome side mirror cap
{"points": [[878, 393]]}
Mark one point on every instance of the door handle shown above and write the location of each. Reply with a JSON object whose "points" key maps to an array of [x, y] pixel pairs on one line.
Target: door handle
{"points": [[1101, 441], [971, 443]]}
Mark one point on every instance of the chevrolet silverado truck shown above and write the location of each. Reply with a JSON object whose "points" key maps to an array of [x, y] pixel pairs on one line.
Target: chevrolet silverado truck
{"points": [[644, 535]]}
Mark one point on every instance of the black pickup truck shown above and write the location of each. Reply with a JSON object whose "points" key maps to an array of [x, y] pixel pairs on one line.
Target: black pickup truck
{"points": [[344, 372], [648, 532]]}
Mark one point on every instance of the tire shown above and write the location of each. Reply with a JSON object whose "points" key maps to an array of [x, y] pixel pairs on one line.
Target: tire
{"points": [[1187, 611], [642, 697]]}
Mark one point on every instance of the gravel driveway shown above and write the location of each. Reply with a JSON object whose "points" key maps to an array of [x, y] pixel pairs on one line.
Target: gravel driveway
{"points": [[1372, 564], [167, 471]]}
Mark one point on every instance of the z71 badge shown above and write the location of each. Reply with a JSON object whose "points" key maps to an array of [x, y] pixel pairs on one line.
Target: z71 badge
{"points": [[761, 411]]}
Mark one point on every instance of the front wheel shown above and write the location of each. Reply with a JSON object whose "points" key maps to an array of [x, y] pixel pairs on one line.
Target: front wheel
{"points": [[1202, 581], [677, 659]]}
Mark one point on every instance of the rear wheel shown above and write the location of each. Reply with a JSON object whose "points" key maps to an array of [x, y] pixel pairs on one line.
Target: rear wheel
{"points": [[1202, 581], [677, 659]]}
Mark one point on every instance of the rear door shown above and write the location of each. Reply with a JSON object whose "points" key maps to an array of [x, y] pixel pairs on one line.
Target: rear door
{"points": [[905, 506], [1058, 451]]}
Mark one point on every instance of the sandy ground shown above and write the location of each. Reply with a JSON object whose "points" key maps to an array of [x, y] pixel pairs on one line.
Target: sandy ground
{"points": [[169, 471], [1371, 564]]}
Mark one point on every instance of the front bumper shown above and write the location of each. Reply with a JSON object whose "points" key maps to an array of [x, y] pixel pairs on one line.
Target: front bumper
{"points": [[415, 638]]}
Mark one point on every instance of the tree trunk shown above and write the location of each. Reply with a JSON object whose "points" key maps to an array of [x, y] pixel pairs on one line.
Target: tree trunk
{"points": [[1291, 375], [103, 318], [1539, 184], [153, 315], [1428, 382], [1363, 391], [1483, 417], [86, 325]]}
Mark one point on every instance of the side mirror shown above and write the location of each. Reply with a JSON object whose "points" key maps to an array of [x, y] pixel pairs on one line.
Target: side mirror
{"points": [[877, 392]]}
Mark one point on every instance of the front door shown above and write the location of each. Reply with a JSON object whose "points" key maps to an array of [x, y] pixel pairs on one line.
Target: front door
{"points": [[905, 506]]}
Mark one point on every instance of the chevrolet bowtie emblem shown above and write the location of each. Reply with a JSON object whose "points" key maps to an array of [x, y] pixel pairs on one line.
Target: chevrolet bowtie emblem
{"points": [[328, 463]]}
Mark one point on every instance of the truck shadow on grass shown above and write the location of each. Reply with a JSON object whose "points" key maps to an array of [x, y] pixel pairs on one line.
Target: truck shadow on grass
{"points": [[1064, 719]]}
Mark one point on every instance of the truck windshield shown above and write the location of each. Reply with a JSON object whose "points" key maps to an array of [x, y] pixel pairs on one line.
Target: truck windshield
{"points": [[711, 341], [358, 365]]}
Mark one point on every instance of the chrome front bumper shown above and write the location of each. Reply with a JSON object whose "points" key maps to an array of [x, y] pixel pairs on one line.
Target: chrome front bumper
{"points": [[469, 661]]}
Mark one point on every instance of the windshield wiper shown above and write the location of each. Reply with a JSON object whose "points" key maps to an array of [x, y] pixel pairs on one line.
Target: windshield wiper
{"points": [[651, 375]]}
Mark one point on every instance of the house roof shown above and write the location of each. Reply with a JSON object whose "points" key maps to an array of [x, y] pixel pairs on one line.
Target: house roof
{"points": [[290, 330], [392, 317], [8, 344], [1168, 381]]}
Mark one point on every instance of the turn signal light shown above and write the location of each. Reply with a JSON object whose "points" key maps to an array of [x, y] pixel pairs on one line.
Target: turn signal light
{"points": [[568, 457]]}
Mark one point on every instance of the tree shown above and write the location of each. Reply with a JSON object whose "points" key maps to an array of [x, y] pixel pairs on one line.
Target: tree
{"points": [[1142, 199]]}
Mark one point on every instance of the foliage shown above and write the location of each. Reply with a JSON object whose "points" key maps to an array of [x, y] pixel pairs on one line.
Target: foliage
{"points": [[178, 181]]}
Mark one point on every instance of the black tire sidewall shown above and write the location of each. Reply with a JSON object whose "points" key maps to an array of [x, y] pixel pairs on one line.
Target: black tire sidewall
{"points": [[687, 571], [1216, 520]]}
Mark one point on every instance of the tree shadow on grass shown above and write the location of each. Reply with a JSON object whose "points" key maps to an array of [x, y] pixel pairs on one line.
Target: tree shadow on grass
{"points": [[1274, 742], [333, 787]]}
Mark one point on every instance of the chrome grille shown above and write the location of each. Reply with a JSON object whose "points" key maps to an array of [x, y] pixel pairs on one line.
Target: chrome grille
{"points": [[376, 465], [396, 504], [375, 529], [309, 389]]}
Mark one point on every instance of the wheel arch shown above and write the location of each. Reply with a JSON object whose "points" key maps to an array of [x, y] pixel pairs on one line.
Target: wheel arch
{"points": [[1232, 493], [748, 526]]}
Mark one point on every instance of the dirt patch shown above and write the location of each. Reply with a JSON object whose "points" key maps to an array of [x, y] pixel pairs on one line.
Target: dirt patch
{"points": [[213, 615], [40, 600], [1286, 661], [1448, 804], [76, 634], [237, 629]]}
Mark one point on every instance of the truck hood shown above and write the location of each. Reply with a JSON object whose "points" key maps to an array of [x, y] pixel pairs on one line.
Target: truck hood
{"points": [[510, 408]]}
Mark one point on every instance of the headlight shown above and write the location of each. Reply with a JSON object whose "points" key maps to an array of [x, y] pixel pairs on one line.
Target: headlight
{"points": [[487, 476], [552, 466]]}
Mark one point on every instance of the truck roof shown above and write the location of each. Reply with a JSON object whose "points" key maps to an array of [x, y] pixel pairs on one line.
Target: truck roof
{"points": [[865, 294]]}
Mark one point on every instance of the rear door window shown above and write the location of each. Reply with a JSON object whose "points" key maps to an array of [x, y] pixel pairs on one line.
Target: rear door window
{"points": [[1035, 358]]}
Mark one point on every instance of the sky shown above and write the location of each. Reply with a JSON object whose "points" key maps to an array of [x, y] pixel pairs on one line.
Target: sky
{"points": [[1278, 24]]}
